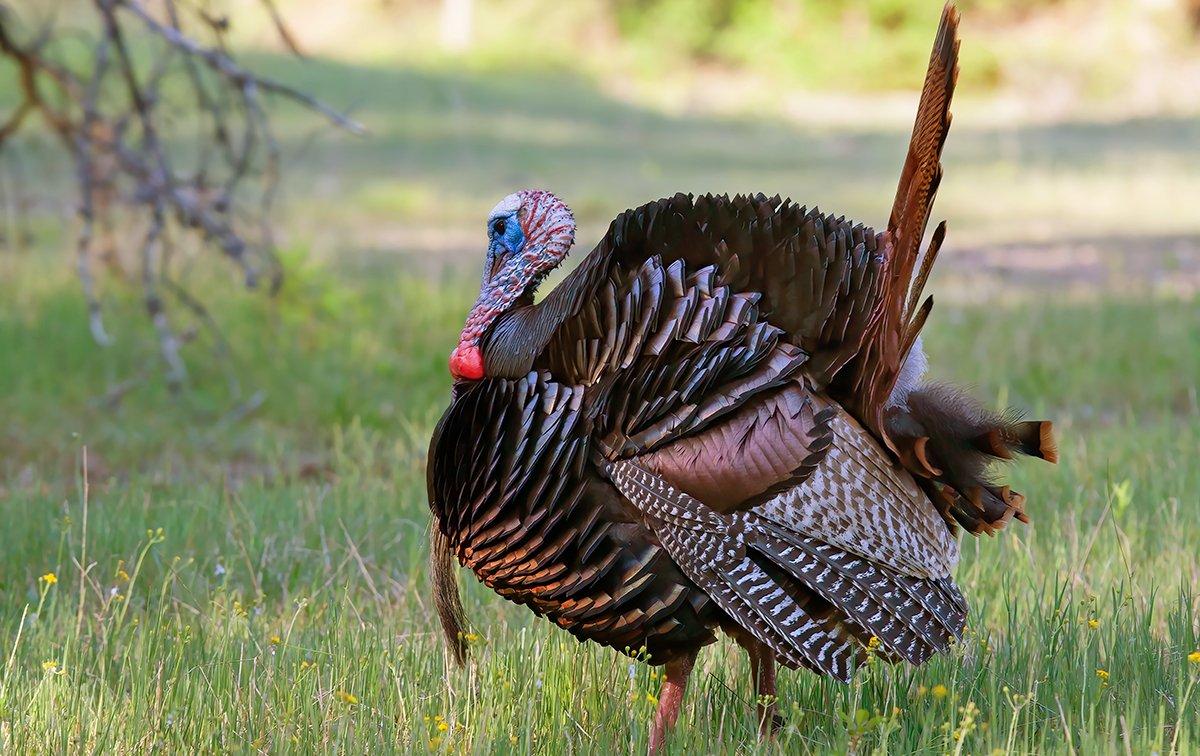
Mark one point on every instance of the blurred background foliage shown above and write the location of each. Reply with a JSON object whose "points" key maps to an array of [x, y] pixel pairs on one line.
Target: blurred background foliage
{"points": [[1072, 165], [1076, 50]]}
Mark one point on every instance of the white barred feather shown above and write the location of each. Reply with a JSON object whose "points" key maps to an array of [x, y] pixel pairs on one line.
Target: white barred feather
{"points": [[858, 500]]}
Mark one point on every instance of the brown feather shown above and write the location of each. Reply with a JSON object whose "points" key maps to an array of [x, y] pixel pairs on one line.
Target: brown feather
{"points": [[775, 441], [927, 261], [1035, 438], [914, 455]]}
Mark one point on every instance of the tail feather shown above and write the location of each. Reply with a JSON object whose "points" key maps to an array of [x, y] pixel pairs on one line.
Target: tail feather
{"points": [[446, 594], [897, 319], [942, 437], [1035, 438], [951, 441], [919, 181], [922, 166]]}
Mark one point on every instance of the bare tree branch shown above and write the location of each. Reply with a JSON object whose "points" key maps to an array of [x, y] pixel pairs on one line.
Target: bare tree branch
{"points": [[129, 156], [285, 34]]}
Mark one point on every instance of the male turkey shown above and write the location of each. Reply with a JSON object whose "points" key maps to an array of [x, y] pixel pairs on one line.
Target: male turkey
{"points": [[717, 422]]}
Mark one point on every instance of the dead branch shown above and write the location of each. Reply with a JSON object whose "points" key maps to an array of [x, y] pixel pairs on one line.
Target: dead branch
{"points": [[128, 157]]}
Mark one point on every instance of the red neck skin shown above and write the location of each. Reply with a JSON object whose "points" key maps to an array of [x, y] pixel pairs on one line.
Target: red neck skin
{"points": [[466, 361], [496, 298]]}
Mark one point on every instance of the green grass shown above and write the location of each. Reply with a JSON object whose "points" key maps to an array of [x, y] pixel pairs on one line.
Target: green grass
{"points": [[251, 577], [290, 565]]}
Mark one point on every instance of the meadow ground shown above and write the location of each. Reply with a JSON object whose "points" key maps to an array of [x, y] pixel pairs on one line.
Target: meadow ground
{"points": [[242, 567]]}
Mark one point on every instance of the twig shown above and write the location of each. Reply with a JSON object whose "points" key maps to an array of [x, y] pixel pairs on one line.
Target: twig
{"points": [[85, 175], [168, 342], [281, 28], [221, 63]]}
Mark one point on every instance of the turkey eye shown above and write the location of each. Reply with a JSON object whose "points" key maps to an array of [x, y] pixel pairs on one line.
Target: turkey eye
{"points": [[499, 227]]}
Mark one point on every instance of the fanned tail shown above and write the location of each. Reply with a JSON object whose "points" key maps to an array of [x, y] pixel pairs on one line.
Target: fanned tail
{"points": [[919, 183], [922, 166]]}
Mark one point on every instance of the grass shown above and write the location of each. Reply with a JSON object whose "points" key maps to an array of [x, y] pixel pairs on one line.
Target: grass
{"points": [[239, 577]]}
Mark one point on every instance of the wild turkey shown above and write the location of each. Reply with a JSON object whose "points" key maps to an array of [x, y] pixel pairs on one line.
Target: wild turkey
{"points": [[717, 422]]}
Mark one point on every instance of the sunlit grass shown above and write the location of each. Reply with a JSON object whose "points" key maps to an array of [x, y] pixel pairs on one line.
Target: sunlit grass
{"points": [[296, 617], [259, 583]]}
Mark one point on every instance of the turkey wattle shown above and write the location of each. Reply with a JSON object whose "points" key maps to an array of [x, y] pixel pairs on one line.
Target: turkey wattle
{"points": [[717, 422]]}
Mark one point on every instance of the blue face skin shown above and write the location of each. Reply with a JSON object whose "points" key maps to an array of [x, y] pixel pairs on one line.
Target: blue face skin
{"points": [[505, 240]]}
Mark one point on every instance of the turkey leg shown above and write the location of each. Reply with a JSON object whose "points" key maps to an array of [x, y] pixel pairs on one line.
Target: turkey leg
{"points": [[670, 698], [762, 671]]}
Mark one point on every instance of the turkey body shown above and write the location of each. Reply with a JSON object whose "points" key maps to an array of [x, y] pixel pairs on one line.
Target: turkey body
{"points": [[715, 422], [665, 356]]}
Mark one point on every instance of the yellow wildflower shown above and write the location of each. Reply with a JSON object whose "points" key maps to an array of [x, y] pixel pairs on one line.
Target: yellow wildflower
{"points": [[967, 724], [435, 743], [939, 691], [50, 666], [652, 699], [442, 727], [1102, 674], [49, 578], [874, 643], [1093, 623], [1194, 657], [345, 697], [275, 640]]}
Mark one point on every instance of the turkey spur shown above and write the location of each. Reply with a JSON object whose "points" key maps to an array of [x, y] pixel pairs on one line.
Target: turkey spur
{"points": [[718, 421]]}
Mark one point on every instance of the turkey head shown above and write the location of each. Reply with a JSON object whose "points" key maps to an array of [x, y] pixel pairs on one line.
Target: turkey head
{"points": [[529, 234]]}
